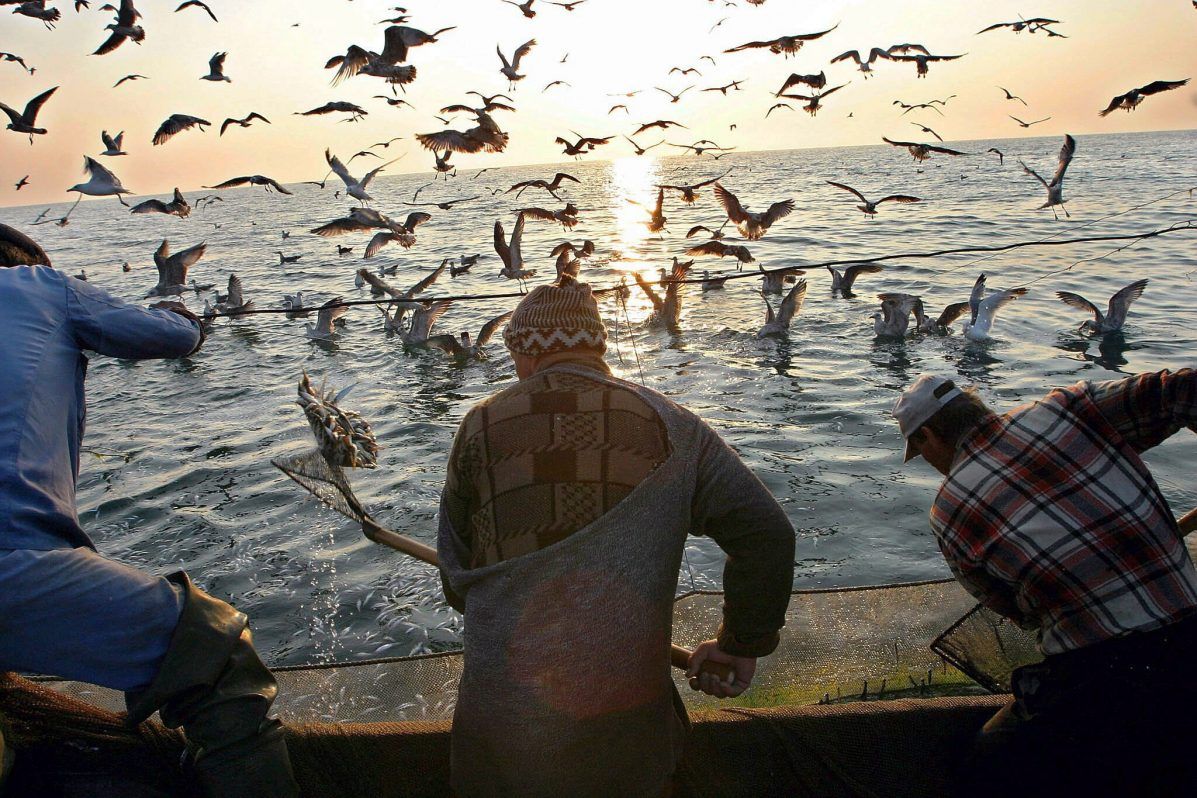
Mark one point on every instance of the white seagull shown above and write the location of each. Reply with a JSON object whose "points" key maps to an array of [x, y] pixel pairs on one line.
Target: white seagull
{"points": [[984, 307], [751, 225], [172, 269], [353, 186], [869, 209], [329, 312], [894, 318], [1055, 189], [463, 348], [511, 254], [112, 145]]}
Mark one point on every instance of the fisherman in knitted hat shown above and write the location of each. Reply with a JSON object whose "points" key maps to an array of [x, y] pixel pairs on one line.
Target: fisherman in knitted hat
{"points": [[567, 502]]}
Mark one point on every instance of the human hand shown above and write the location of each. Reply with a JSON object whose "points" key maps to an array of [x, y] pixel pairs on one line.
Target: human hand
{"points": [[743, 669], [180, 309]]}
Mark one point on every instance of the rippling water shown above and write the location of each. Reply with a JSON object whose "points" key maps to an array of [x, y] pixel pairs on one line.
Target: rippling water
{"points": [[180, 476]]}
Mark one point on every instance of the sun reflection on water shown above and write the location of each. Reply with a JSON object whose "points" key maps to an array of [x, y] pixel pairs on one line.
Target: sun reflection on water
{"points": [[633, 180]]}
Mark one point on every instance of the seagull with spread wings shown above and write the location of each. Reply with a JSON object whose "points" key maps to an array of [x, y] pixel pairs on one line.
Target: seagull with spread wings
{"points": [[125, 27], [921, 60], [1131, 100], [865, 65], [178, 206], [177, 123], [326, 318], [216, 69], [1115, 315], [842, 282], [354, 187], [921, 151], [814, 81], [129, 77], [485, 136], [689, 193], [718, 249], [814, 101], [778, 324], [1010, 96], [242, 122], [112, 145], [356, 112], [26, 121], [1055, 189], [510, 252], [983, 308], [462, 348], [1026, 125], [172, 269], [673, 98], [751, 225], [641, 150], [265, 182], [667, 311], [101, 183], [389, 64], [869, 209], [783, 45], [510, 69], [197, 4], [550, 186]]}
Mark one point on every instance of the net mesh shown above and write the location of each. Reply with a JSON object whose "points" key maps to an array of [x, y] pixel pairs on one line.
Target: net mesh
{"points": [[838, 645], [325, 482]]}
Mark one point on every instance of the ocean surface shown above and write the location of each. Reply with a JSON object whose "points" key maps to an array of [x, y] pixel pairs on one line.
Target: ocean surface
{"points": [[177, 472]]}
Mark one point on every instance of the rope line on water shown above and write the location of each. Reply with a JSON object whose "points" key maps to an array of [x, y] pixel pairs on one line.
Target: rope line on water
{"points": [[1183, 225]]}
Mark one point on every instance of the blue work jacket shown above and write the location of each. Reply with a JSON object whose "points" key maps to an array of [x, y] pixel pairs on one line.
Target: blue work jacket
{"points": [[47, 320]]}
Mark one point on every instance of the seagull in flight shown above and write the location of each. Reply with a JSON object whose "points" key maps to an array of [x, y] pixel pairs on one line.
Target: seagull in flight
{"points": [[751, 225], [216, 69], [510, 68], [129, 77], [125, 27], [172, 269], [112, 145], [353, 186], [920, 151], [1055, 189], [177, 123], [1131, 100], [510, 252], [242, 122], [783, 45], [26, 121], [869, 209], [689, 193], [1010, 96], [176, 207], [1028, 124], [265, 182], [197, 4], [326, 317]]}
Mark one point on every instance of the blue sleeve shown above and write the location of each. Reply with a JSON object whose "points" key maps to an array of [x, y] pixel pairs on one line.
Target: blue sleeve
{"points": [[110, 326]]}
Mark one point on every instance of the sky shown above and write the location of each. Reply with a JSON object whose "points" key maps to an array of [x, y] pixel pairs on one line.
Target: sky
{"points": [[613, 47]]}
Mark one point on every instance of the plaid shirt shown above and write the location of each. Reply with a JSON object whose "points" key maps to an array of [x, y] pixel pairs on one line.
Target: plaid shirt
{"points": [[1049, 517]]}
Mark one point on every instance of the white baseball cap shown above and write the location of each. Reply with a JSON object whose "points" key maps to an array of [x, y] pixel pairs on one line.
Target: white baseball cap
{"points": [[919, 402]]}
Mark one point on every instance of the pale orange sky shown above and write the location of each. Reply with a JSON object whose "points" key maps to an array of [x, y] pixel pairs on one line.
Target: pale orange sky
{"points": [[613, 45]]}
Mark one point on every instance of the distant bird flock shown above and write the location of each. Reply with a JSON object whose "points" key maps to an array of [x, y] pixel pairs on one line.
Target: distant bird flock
{"points": [[519, 56]]}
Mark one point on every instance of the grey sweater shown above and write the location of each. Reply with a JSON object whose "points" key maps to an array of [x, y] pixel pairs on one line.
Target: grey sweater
{"points": [[566, 688]]}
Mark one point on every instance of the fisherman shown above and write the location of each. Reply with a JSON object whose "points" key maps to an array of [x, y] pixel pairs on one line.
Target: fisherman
{"points": [[65, 609], [566, 507], [1049, 517]]}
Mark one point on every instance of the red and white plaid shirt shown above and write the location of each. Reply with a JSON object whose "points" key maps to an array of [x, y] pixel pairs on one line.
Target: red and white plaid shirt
{"points": [[1049, 517]]}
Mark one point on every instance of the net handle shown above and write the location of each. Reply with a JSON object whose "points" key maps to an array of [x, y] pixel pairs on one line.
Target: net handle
{"points": [[679, 656], [1188, 522]]}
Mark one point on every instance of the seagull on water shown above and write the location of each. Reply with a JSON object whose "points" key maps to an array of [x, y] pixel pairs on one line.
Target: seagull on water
{"points": [[1115, 315], [983, 308], [942, 323], [666, 311], [779, 324], [417, 334], [326, 317], [172, 269], [1055, 189], [463, 348], [710, 283], [842, 282], [894, 317], [774, 281]]}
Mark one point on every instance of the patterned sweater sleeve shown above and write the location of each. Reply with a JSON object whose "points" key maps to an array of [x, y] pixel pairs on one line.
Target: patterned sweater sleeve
{"points": [[1147, 409], [738, 512], [455, 504]]}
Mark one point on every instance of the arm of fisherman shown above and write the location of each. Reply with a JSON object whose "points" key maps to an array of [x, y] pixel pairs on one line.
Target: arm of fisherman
{"points": [[1147, 409], [970, 572], [455, 504], [738, 512], [110, 326]]}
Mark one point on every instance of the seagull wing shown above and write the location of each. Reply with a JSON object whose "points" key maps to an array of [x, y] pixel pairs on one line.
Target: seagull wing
{"points": [[35, 105], [452, 140], [778, 210], [150, 206], [708, 248], [334, 163], [488, 329], [501, 248], [12, 113], [731, 205], [951, 313], [396, 41], [522, 51], [1114, 103], [422, 320], [653, 297], [944, 150], [848, 189], [161, 261], [904, 198], [792, 303], [97, 171], [236, 294], [329, 312], [853, 54], [1080, 303], [424, 284], [975, 296], [855, 270], [231, 182], [216, 63], [380, 284], [1066, 153], [447, 344], [379, 241], [1120, 303], [178, 264], [416, 219], [1155, 87], [990, 305], [111, 43]]}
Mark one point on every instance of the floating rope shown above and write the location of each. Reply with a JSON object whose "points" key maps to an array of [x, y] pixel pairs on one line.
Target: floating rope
{"points": [[1186, 224]]}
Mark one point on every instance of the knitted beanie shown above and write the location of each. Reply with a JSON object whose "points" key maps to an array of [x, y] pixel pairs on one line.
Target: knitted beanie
{"points": [[556, 318]]}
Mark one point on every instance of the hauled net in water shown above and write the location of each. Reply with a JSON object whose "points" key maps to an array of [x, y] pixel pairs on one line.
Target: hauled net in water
{"points": [[844, 644]]}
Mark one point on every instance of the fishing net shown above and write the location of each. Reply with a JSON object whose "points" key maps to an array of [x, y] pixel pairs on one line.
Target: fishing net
{"points": [[327, 483]]}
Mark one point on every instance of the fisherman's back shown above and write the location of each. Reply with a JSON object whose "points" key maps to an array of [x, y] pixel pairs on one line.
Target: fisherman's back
{"points": [[49, 319]]}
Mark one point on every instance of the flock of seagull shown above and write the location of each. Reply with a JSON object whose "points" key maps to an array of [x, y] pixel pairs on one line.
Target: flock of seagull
{"points": [[414, 320]]}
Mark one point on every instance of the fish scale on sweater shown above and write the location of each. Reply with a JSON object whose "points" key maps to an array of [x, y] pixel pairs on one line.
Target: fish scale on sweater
{"points": [[566, 688]]}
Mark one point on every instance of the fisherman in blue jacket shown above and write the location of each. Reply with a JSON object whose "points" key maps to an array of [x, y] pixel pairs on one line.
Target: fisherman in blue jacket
{"points": [[65, 609]]}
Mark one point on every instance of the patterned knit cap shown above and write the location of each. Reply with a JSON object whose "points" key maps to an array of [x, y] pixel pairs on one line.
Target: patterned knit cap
{"points": [[556, 318]]}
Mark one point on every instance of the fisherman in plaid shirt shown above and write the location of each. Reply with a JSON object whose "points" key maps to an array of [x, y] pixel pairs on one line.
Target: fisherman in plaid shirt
{"points": [[1049, 517]]}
